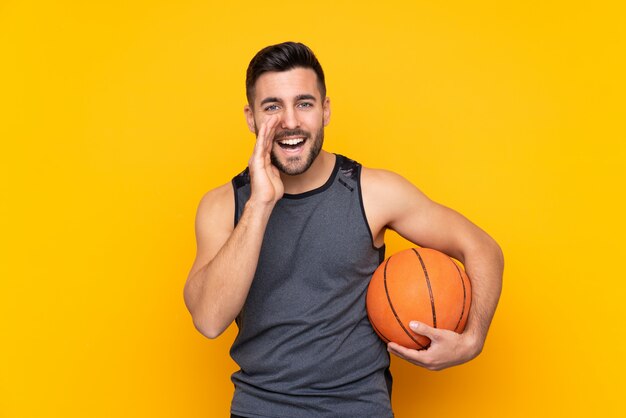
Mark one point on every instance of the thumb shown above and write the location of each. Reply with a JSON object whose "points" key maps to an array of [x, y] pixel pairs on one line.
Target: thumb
{"points": [[423, 329]]}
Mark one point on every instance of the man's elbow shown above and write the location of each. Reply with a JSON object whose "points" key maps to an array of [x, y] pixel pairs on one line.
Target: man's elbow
{"points": [[498, 254], [208, 328], [203, 321], [485, 248]]}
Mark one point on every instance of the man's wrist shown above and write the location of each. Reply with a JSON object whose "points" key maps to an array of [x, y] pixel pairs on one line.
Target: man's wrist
{"points": [[259, 207]]}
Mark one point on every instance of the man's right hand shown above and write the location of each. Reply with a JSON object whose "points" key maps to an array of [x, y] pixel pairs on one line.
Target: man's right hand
{"points": [[265, 182], [227, 256]]}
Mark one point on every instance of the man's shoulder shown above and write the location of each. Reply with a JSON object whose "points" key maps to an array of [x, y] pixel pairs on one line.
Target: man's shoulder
{"points": [[217, 200], [379, 178], [225, 193], [389, 188]]}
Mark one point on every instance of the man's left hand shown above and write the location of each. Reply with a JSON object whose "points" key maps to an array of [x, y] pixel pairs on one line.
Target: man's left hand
{"points": [[447, 348]]}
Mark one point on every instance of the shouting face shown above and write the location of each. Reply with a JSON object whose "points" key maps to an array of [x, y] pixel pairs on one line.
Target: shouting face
{"points": [[294, 96]]}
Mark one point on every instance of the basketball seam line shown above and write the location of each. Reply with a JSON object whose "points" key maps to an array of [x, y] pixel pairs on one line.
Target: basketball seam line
{"points": [[387, 340], [464, 294], [392, 308], [430, 290]]}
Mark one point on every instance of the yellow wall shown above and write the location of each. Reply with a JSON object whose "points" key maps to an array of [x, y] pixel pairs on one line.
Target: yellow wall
{"points": [[117, 116]]}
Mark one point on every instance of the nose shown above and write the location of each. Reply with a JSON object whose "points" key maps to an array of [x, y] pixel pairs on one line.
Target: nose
{"points": [[289, 119]]}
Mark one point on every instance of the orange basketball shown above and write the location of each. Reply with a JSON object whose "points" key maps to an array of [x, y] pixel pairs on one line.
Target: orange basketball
{"points": [[417, 284]]}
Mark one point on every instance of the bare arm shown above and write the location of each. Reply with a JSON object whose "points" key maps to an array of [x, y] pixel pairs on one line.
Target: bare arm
{"points": [[395, 203], [227, 257]]}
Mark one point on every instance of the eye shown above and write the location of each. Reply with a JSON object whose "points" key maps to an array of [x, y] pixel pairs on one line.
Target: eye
{"points": [[305, 104], [271, 108]]}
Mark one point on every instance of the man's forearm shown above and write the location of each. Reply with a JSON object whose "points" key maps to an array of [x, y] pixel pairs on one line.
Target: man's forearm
{"points": [[219, 289], [484, 265]]}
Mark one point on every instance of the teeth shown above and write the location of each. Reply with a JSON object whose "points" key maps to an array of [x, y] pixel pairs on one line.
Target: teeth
{"points": [[294, 141]]}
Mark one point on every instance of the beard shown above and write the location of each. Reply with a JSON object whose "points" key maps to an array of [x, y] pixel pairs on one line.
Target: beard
{"points": [[298, 165]]}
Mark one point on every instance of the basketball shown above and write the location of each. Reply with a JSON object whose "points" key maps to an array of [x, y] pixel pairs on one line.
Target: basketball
{"points": [[419, 284]]}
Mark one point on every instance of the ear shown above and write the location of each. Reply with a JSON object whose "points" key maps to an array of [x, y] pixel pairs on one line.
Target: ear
{"points": [[247, 110], [326, 111]]}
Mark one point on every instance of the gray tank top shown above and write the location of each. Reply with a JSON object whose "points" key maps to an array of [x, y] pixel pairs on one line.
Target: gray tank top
{"points": [[305, 346]]}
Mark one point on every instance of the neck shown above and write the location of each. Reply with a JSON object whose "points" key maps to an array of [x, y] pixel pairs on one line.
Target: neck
{"points": [[314, 177]]}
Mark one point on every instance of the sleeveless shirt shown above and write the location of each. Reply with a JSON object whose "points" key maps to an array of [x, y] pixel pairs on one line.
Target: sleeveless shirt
{"points": [[305, 346]]}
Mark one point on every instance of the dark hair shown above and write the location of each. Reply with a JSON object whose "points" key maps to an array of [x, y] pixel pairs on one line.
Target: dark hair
{"points": [[283, 57]]}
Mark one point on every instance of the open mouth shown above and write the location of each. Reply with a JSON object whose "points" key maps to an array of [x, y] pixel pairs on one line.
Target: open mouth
{"points": [[291, 143]]}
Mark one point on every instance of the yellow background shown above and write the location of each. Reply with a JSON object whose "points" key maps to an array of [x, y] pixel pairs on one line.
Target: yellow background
{"points": [[117, 116]]}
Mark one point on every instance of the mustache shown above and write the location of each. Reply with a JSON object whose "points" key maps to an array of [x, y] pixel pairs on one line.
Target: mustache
{"points": [[292, 132]]}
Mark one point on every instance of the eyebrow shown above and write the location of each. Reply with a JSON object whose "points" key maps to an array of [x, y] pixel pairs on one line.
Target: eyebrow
{"points": [[298, 97], [270, 100], [305, 97]]}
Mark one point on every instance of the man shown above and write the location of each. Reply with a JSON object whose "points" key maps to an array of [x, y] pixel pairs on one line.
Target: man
{"points": [[287, 249]]}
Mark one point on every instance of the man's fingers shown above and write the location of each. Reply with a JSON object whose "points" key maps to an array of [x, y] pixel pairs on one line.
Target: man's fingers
{"points": [[413, 356], [264, 139], [259, 145], [425, 330], [447, 348], [272, 123], [398, 350]]}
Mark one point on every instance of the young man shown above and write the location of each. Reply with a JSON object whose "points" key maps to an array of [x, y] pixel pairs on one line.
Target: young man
{"points": [[292, 269]]}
